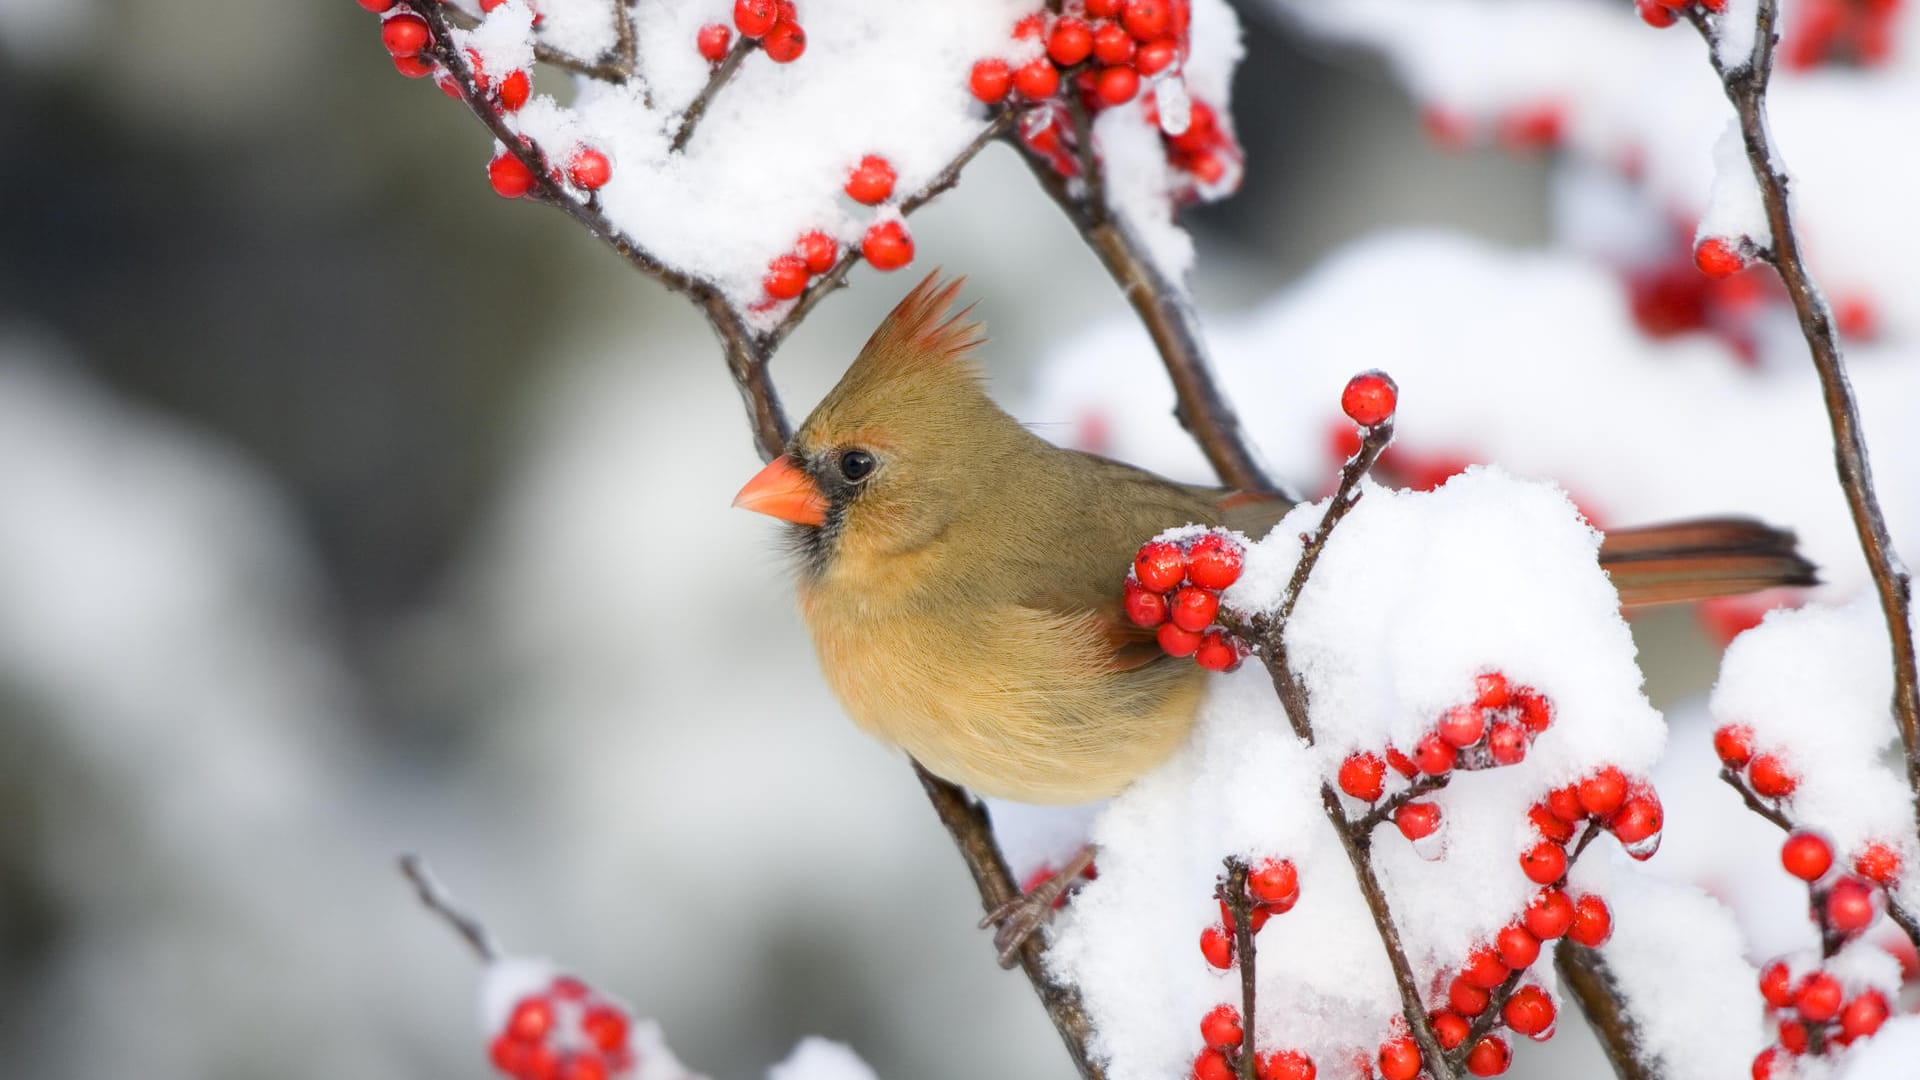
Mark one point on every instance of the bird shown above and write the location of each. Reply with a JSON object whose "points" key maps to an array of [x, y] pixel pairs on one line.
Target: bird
{"points": [[961, 577]]}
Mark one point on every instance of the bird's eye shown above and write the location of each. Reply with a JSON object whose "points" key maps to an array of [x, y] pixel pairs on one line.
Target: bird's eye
{"points": [[856, 465]]}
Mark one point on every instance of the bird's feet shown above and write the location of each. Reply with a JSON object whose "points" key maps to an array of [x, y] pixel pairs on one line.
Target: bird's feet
{"points": [[1021, 917]]}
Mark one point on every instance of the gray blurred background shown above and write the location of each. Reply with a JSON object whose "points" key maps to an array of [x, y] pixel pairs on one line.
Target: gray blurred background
{"points": [[346, 509]]}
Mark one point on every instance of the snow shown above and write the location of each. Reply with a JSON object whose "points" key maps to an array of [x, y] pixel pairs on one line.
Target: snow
{"points": [[814, 1058], [1415, 594], [1677, 959], [1889, 1055], [1734, 209]]}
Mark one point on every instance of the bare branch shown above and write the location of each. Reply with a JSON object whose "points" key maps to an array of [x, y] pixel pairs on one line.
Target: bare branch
{"points": [[690, 117], [1586, 975], [1746, 88], [1233, 893], [435, 899]]}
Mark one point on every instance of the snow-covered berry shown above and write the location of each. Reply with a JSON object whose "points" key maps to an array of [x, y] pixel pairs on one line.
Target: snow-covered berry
{"points": [[515, 88], [1221, 1026], [1818, 997], [1517, 946], [1878, 863], [1435, 755], [1417, 820], [1363, 776], [1461, 726], [1549, 914], [1592, 922], [1284, 1065], [1370, 397], [1211, 1064], [1734, 744], [1490, 690], [818, 250], [887, 246], [1717, 258], [1214, 561], [753, 18], [871, 181], [1849, 905], [1776, 984], [1603, 792], [1216, 944], [1274, 882], [1864, 1014], [1507, 743], [589, 169], [786, 277], [1770, 777], [1399, 1058]]}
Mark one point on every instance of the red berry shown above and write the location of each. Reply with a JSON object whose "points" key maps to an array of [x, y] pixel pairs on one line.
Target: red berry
{"points": [[1449, 1028], [1819, 997], [1465, 998], [514, 91], [1507, 743], [1565, 804], [755, 17], [1461, 725], [1806, 855], [1370, 397], [531, 1019], [1144, 606], [1655, 13], [1850, 905], [785, 42], [582, 1067], [1401, 763], [1770, 778], [818, 250], [1717, 259], [1193, 608], [1102, 9], [376, 6], [415, 67], [1037, 79], [1214, 562], [1217, 652], [1030, 28], [1734, 744], [1544, 862], [1155, 56], [1878, 863], [1517, 946], [1111, 43], [1490, 690], [510, 176], [1864, 1014], [1592, 922], [1793, 1036], [1529, 1011], [713, 41], [1363, 776], [1763, 1063], [1216, 944], [1548, 825], [567, 987], [1549, 914], [887, 246], [786, 277], [1603, 792], [990, 80], [1221, 1026], [589, 169], [1177, 642], [405, 34], [1399, 1058], [1160, 566], [1776, 984], [1434, 755], [1417, 820], [1489, 1057], [1285, 1065], [1146, 19], [1639, 818], [1274, 881], [1484, 968], [606, 1026], [1211, 1065], [1118, 85], [871, 181], [1070, 42], [1257, 915], [1536, 712]]}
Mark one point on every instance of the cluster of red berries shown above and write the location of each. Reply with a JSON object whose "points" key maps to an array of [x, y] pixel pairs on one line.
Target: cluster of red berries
{"points": [[564, 1032], [1628, 808], [1813, 1014], [1273, 887], [1174, 589], [587, 168], [1863, 32], [775, 24], [886, 245], [1524, 129], [1767, 774], [1664, 13], [1105, 46], [1206, 151]]}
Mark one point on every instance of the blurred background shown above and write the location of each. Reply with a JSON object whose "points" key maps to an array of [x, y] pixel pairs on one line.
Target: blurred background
{"points": [[347, 510]]}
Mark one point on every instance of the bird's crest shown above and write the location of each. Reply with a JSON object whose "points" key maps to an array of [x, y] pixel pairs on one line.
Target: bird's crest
{"points": [[919, 331]]}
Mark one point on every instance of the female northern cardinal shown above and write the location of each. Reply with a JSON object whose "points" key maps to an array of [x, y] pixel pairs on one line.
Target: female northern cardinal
{"points": [[962, 577]]}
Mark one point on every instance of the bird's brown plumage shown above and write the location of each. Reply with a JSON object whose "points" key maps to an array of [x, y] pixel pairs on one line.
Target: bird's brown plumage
{"points": [[963, 591]]}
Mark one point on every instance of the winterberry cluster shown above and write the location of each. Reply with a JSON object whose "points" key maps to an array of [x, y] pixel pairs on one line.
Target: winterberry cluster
{"points": [[775, 24], [409, 40], [1272, 888], [1862, 32], [1664, 13], [1767, 775], [886, 245], [1815, 1013], [1174, 589], [563, 1032], [1104, 51]]}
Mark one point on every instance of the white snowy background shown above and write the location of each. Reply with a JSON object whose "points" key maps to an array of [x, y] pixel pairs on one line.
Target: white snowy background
{"points": [[591, 706]]}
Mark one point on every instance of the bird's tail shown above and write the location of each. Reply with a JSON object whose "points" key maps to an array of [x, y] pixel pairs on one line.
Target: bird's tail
{"points": [[1701, 559]]}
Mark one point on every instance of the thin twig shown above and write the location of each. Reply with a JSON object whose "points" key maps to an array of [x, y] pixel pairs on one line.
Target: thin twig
{"points": [[617, 69], [1423, 784], [1233, 893], [697, 108], [1746, 88], [435, 899], [1585, 973]]}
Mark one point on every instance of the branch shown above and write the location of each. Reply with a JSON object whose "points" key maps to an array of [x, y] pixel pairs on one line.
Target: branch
{"points": [[1746, 88], [1170, 322], [1585, 973], [697, 108], [1233, 893], [616, 68], [435, 899]]}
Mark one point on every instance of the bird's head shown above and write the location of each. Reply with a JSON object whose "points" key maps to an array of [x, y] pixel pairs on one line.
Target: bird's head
{"points": [[897, 450]]}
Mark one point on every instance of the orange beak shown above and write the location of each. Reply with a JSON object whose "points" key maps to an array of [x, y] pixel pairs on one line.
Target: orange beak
{"points": [[782, 490]]}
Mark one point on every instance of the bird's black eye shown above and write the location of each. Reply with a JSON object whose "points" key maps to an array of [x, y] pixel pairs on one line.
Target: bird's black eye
{"points": [[856, 465]]}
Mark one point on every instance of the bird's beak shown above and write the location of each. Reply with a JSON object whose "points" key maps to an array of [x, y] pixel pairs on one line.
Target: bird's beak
{"points": [[784, 491]]}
